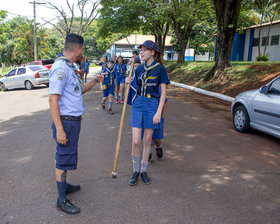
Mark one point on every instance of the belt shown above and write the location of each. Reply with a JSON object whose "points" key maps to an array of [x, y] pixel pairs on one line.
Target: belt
{"points": [[70, 118], [148, 96]]}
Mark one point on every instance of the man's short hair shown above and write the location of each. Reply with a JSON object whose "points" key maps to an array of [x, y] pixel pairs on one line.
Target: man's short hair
{"points": [[72, 40], [135, 52]]}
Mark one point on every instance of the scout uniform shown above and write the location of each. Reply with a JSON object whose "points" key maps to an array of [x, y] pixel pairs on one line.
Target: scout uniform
{"points": [[120, 71], [146, 100], [103, 64], [65, 82], [108, 83]]}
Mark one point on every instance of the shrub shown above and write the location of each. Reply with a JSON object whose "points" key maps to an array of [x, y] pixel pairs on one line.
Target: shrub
{"points": [[262, 58]]}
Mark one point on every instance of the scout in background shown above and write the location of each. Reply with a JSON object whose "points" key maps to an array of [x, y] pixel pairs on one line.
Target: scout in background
{"points": [[108, 85], [85, 66], [147, 105], [114, 58], [103, 62], [158, 134], [120, 79]]}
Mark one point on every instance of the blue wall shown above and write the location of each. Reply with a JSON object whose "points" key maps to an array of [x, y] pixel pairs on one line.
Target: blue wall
{"points": [[250, 52], [188, 58], [237, 52]]}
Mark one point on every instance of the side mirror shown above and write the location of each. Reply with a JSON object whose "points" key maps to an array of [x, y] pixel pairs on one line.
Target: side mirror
{"points": [[263, 89]]}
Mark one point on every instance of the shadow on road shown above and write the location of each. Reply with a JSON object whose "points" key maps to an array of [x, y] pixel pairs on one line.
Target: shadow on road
{"points": [[209, 174]]}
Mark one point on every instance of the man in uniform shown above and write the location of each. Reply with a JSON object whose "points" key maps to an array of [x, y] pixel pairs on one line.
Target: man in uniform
{"points": [[66, 105]]}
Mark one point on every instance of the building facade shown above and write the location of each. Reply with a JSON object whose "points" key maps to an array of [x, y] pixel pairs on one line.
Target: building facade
{"points": [[245, 45], [125, 46]]}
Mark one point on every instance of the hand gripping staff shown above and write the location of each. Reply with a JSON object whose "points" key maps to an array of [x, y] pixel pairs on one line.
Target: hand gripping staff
{"points": [[114, 173]]}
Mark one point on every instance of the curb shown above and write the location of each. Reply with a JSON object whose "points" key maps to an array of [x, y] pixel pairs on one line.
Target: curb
{"points": [[202, 91]]}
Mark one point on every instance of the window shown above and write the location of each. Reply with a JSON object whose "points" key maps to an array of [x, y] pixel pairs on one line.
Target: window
{"points": [[256, 42], [274, 40], [37, 68], [21, 71], [12, 73], [275, 87], [265, 41], [47, 61]]}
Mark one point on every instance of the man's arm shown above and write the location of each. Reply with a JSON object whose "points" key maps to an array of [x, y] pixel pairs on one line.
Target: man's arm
{"points": [[93, 82], [54, 107]]}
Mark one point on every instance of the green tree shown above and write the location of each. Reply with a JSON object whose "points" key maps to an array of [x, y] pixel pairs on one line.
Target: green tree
{"points": [[129, 16], [184, 16], [202, 38], [227, 13], [18, 43]]}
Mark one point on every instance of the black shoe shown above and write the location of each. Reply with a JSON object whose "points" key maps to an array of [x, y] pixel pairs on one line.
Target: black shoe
{"points": [[67, 207], [145, 178], [133, 179], [111, 111], [159, 153], [150, 158], [72, 188]]}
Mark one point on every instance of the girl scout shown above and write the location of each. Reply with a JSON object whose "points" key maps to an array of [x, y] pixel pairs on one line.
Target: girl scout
{"points": [[108, 85], [147, 105], [120, 80]]}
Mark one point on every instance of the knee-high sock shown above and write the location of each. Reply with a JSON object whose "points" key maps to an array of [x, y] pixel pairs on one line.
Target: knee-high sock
{"points": [[144, 166], [136, 163], [61, 189]]}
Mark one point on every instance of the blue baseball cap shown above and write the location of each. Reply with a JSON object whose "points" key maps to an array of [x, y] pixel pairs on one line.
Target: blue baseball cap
{"points": [[150, 44]]}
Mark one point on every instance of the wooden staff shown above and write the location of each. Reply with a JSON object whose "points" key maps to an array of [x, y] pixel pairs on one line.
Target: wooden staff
{"points": [[114, 172]]}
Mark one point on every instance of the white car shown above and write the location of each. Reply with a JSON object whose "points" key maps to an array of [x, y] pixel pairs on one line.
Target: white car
{"points": [[25, 77], [259, 109]]}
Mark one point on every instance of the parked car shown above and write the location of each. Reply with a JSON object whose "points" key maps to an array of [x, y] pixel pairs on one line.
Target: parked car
{"points": [[45, 62], [25, 77], [259, 109]]}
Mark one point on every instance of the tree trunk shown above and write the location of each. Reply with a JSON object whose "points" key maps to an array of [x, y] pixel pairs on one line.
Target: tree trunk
{"points": [[160, 33], [181, 56], [260, 30], [183, 37], [227, 13]]}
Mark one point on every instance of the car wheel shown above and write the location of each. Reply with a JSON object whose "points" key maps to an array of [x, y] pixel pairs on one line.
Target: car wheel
{"points": [[241, 120], [2, 86], [28, 85]]}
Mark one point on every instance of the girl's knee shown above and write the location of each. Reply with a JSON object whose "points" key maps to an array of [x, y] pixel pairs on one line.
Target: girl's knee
{"points": [[136, 143], [147, 141]]}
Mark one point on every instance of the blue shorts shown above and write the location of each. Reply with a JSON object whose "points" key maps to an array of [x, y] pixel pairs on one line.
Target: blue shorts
{"points": [[110, 89], [120, 79], [143, 111], [158, 133], [67, 155]]}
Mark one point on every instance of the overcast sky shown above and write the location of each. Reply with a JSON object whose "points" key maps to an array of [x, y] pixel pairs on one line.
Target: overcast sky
{"points": [[24, 8]]}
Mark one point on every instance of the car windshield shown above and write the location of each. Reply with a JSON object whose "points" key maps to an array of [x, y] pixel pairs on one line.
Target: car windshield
{"points": [[47, 61], [37, 68], [34, 63]]}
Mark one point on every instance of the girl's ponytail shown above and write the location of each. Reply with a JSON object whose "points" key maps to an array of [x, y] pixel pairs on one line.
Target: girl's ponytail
{"points": [[159, 58]]}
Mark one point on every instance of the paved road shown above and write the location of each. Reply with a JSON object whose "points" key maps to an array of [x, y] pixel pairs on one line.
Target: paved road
{"points": [[210, 173]]}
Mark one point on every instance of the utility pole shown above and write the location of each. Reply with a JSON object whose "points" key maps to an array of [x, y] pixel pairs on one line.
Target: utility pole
{"points": [[35, 38]]}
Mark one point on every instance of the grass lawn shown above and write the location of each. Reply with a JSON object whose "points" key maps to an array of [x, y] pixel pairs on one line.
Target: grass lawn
{"points": [[240, 77]]}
